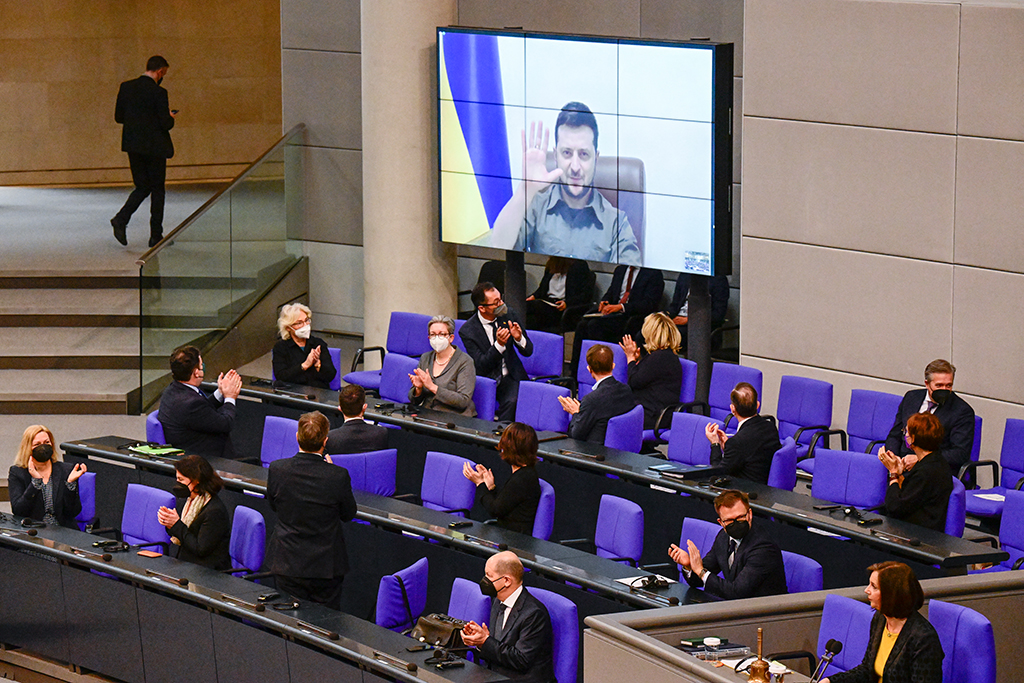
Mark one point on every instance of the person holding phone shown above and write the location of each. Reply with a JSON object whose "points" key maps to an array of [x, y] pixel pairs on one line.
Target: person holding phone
{"points": [[199, 525], [41, 486]]}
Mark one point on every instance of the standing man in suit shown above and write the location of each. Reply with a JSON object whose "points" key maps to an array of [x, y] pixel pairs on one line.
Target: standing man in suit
{"points": [[147, 119], [356, 435], [197, 423], [609, 398], [312, 498], [633, 294], [747, 453], [744, 552], [521, 643], [954, 413], [495, 339]]}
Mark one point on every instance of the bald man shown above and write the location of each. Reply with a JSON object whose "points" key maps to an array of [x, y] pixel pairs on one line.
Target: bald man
{"points": [[520, 643]]}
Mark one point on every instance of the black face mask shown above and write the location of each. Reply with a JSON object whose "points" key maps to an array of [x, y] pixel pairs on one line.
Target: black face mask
{"points": [[488, 589], [940, 396], [42, 452], [738, 529], [180, 491]]}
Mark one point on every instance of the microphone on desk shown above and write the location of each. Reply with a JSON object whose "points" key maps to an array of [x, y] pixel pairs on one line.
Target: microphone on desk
{"points": [[832, 648]]}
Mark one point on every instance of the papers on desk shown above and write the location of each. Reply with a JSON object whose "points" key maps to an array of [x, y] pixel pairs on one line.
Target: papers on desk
{"points": [[997, 497]]}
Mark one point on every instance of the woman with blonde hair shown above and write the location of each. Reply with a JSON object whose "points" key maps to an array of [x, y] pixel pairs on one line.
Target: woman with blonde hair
{"points": [[41, 486], [655, 375], [299, 357]]}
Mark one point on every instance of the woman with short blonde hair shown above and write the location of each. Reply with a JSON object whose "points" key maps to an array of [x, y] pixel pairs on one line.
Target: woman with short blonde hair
{"points": [[655, 375], [42, 487], [299, 357]]}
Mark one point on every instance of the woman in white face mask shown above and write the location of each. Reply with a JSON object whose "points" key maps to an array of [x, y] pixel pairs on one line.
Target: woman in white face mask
{"points": [[299, 357], [446, 376]]}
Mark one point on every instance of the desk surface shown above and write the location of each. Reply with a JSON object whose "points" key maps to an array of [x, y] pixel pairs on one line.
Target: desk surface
{"points": [[891, 535]]}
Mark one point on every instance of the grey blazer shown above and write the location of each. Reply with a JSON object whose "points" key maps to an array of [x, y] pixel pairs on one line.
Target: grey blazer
{"points": [[455, 385]]}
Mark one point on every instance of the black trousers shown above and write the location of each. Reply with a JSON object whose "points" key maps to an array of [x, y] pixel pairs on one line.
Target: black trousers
{"points": [[326, 592], [149, 174], [608, 328], [508, 393]]}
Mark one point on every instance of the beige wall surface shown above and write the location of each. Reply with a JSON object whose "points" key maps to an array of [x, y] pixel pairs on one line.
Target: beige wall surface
{"points": [[61, 64]]}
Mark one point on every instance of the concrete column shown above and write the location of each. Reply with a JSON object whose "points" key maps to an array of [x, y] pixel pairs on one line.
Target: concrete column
{"points": [[405, 266]]}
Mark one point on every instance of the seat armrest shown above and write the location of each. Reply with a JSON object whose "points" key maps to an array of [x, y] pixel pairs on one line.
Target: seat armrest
{"points": [[453, 510], [705, 409], [826, 433], [569, 383], [360, 356], [1020, 483], [876, 442], [109, 530], [973, 468], [666, 411], [629, 560], [412, 497], [1018, 562], [572, 542], [819, 428]]}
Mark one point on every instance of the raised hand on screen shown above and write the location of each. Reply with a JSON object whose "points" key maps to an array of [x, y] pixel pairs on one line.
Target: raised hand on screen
{"points": [[535, 156]]}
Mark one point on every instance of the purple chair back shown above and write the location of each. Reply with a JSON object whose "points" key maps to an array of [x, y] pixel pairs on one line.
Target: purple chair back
{"points": [[583, 379], [139, 524], [724, 377], [548, 355], [687, 443], [408, 334], [967, 642], [802, 573], [783, 472], [803, 402], [444, 486], [1011, 527], [458, 338], [565, 625], [701, 532], [485, 397], [335, 383], [1011, 455], [849, 478], [620, 529], [626, 431], [373, 471], [392, 611], [688, 389], [848, 621], [248, 539], [278, 439], [468, 603], [394, 377], [870, 418], [976, 447], [87, 494], [154, 429], [956, 513], [538, 407], [544, 522]]}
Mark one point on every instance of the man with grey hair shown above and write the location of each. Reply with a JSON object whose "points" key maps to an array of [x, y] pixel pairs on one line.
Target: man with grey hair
{"points": [[519, 641]]}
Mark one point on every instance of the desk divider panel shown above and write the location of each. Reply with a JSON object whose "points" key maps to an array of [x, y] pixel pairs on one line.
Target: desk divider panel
{"points": [[305, 664], [29, 618], [177, 640], [246, 654]]}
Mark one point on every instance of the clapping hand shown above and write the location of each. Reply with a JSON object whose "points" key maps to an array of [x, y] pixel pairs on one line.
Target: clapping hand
{"points": [[516, 331], [312, 359], [630, 347], [569, 405], [474, 634], [715, 435], [679, 556], [230, 384], [167, 517], [76, 472], [502, 334], [425, 381], [892, 462]]}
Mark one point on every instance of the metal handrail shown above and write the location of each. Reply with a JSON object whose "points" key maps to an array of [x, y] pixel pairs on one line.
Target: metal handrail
{"points": [[299, 127]]}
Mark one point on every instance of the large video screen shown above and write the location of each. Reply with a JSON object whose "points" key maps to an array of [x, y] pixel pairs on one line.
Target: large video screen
{"points": [[610, 150]]}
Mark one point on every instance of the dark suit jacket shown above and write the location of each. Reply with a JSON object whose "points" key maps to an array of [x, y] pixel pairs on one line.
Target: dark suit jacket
{"points": [[655, 380], [288, 359], [142, 108], [356, 436], [718, 288], [609, 399], [206, 541], [577, 292], [924, 496], [486, 358], [196, 424], [757, 569], [957, 418], [27, 500], [644, 296], [514, 504], [916, 656], [523, 651], [312, 498], [748, 452]]}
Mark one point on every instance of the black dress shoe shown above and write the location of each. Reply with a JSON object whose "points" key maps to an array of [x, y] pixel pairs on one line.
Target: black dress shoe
{"points": [[119, 231], [153, 241]]}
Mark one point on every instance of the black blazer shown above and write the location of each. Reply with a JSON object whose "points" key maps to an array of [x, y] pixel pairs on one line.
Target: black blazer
{"points": [[718, 289], [523, 651], [916, 655], [757, 569], [577, 284], [486, 358], [207, 540], [515, 503], [956, 417], [289, 357], [655, 380], [924, 497], [644, 296], [356, 436], [312, 498], [142, 108], [609, 399], [197, 424], [748, 452], [27, 500]]}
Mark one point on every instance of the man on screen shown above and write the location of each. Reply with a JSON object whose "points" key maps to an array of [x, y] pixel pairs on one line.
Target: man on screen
{"points": [[559, 212]]}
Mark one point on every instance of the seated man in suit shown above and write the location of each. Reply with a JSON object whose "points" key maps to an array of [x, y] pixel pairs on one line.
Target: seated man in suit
{"points": [[520, 645], [494, 339], [609, 398], [633, 294], [356, 435], [747, 453], [954, 413], [197, 423], [312, 498], [744, 552]]}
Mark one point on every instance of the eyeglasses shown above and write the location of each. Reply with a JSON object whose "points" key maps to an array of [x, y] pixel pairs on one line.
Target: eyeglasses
{"points": [[301, 323], [440, 336], [727, 522], [496, 303]]}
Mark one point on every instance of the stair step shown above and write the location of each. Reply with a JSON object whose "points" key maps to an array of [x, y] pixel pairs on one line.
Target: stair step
{"points": [[66, 391], [49, 301]]}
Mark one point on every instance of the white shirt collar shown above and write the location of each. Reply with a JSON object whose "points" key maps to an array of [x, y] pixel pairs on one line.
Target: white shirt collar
{"points": [[599, 381], [510, 601], [740, 421]]}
